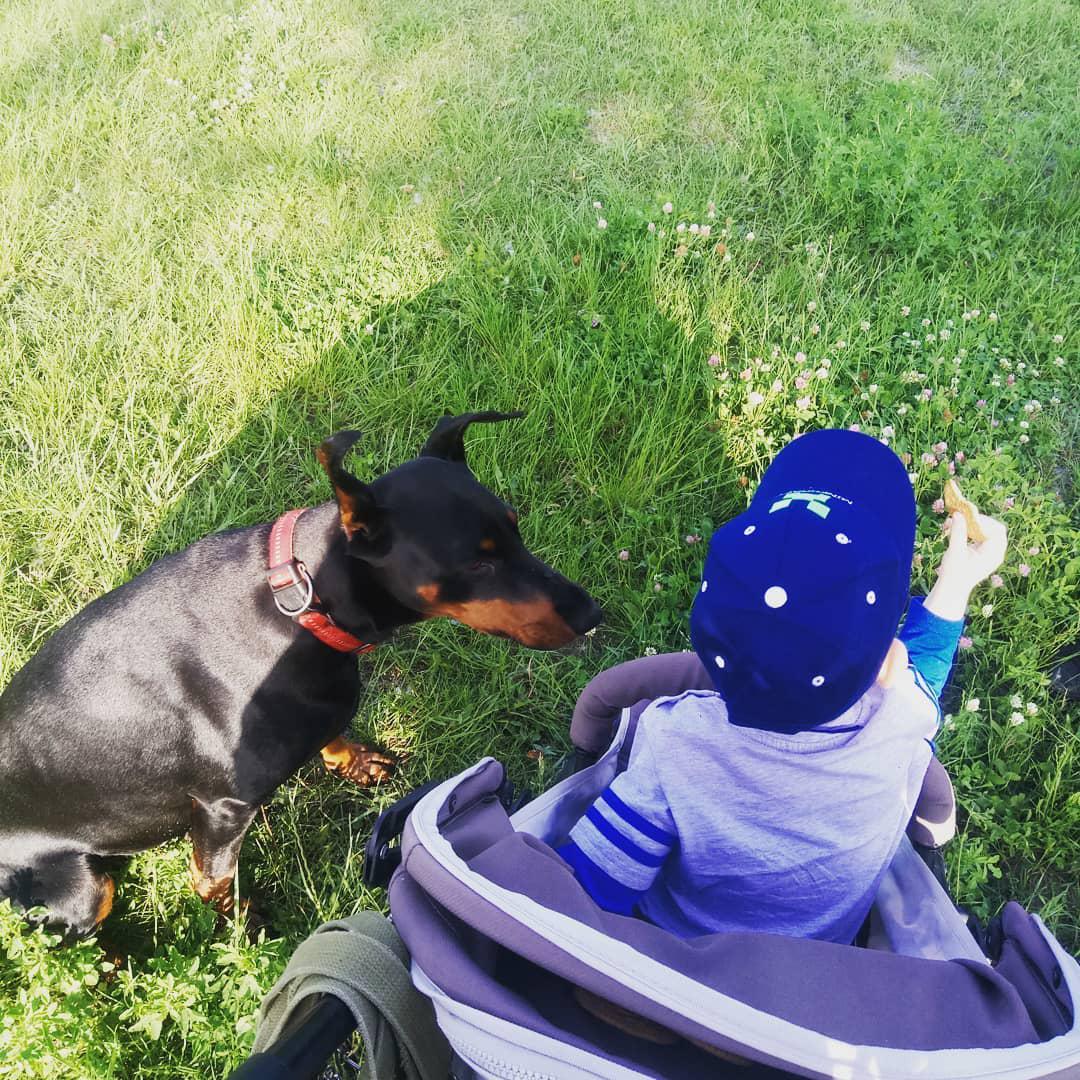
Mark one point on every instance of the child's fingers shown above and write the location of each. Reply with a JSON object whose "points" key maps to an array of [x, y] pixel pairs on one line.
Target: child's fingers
{"points": [[958, 532], [997, 538]]}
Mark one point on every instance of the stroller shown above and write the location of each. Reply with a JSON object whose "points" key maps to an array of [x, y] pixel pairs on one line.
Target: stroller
{"points": [[511, 951]]}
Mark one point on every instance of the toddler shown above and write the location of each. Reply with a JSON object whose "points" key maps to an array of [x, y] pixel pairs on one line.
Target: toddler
{"points": [[776, 802]]}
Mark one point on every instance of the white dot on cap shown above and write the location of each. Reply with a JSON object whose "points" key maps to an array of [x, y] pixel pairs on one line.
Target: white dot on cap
{"points": [[776, 596], [843, 538], [748, 530], [871, 597], [818, 680], [704, 586], [720, 662]]}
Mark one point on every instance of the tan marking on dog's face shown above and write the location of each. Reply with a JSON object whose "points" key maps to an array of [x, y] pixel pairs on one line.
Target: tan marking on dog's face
{"points": [[533, 622], [428, 593], [511, 516], [487, 544]]}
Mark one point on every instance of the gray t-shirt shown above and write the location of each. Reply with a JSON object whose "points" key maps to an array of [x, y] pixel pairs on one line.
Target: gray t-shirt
{"points": [[724, 827]]}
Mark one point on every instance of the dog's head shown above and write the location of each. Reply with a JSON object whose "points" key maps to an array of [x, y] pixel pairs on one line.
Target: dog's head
{"points": [[443, 544]]}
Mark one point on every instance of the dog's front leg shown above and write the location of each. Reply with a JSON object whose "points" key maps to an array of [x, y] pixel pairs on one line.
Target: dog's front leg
{"points": [[357, 762], [217, 831]]}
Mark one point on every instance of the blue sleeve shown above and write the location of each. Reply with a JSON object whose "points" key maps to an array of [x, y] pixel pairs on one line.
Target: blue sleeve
{"points": [[931, 643]]}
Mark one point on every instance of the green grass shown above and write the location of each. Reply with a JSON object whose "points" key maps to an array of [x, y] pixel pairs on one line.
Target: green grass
{"points": [[227, 230]]}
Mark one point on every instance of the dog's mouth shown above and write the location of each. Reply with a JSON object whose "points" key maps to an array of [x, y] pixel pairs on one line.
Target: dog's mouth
{"points": [[534, 623]]}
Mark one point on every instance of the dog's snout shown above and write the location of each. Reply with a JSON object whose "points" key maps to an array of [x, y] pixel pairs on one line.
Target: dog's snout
{"points": [[582, 613]]}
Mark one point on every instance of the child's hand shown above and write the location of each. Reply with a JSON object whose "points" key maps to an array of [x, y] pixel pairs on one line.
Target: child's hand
{"points": [[964, 565]]}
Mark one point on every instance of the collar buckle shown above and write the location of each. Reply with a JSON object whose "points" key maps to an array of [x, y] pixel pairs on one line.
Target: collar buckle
{"points": [[291, 587]]}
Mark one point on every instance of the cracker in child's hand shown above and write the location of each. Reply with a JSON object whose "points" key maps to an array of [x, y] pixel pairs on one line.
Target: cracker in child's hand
{"points": [[954, 501]]}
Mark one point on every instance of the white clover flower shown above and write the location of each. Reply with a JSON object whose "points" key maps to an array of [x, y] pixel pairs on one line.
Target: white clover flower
{"points": [[864, 325], [812, 306], [667, 208], [815, 330], [601, 223], [973, 704], [681, 227], [598, 205], [905, 311], [993, 317], [1059, 361], [1032, 708], [750, 236], [987, 610], [925, 322], [651, 226], [1058, 339], [1016, 701], [649, 650], [1016, 719]]}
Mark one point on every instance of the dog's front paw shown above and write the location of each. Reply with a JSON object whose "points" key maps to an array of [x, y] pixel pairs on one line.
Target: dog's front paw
{"points": [[358, 763]]}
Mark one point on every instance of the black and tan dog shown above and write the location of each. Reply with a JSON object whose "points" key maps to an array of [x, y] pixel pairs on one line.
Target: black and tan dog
{"points": [[179, 702]]}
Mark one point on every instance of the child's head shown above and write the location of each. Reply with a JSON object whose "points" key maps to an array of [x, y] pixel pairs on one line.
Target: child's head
{"points": [[802, 594]]}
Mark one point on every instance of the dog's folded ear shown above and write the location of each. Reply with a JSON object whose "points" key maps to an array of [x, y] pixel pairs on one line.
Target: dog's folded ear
{"points": [[360, 516], [447, 441]]}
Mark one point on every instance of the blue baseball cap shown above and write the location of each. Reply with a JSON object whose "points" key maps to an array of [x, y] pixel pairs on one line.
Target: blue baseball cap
{"points": [[802, 594]]}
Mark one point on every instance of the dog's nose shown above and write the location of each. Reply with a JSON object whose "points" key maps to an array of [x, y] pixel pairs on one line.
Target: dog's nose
{"points": [[582, 614]]}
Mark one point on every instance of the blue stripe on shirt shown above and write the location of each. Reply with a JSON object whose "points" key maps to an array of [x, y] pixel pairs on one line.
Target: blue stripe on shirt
{"points": [[623, 843], [610, 894], [635, 820]]}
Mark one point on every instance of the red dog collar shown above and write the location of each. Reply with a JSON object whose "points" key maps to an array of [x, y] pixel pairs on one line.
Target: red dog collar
{"points": [[294, 591]]}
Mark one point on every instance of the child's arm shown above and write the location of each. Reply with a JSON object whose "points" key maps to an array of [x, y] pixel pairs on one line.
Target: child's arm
{"points": [[617, 849], [932, 629]]}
